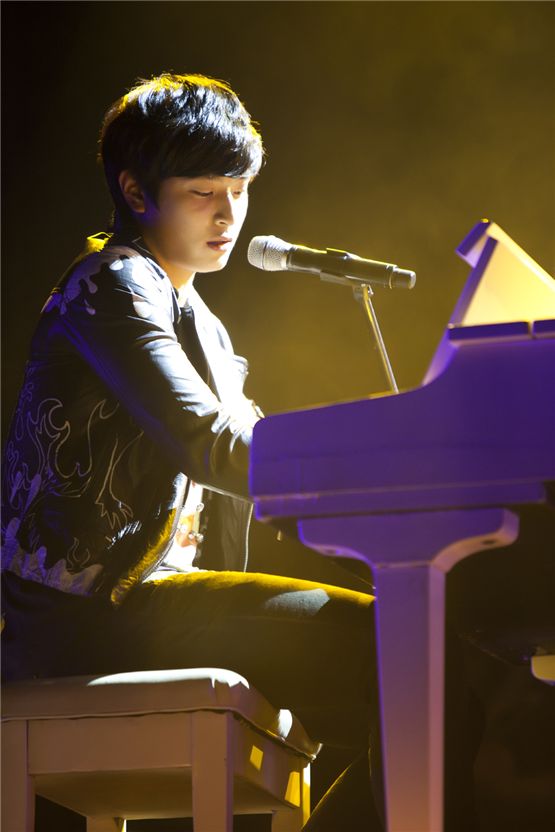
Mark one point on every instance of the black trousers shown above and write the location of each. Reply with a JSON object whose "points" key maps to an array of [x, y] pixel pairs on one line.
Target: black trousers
{"points": [[305, 646]]}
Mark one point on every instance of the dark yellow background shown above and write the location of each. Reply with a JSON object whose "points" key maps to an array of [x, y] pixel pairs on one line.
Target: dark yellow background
{"points": [[391, 128]]}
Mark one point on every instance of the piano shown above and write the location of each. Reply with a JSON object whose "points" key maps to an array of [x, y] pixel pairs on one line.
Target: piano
{"points": [[411, 483]]}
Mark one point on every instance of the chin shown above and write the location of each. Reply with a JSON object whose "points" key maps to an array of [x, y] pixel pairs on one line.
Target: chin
{"points": [[212, 267]]}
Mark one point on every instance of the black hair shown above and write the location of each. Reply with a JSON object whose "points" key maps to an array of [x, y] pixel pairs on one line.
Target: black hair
{"points": [[176, 125]]}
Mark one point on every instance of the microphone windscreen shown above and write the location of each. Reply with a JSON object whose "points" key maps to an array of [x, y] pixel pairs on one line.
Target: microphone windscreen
{"points": [[268, 253]]}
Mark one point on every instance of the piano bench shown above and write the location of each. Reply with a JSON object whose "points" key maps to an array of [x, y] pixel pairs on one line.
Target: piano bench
{"points": [[154, 744]]}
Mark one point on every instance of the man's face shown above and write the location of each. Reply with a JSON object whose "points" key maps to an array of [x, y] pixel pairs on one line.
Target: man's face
{"points": [[197, 221]]}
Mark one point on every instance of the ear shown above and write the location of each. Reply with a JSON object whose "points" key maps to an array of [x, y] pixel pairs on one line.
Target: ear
{"points": [[132, 192]]}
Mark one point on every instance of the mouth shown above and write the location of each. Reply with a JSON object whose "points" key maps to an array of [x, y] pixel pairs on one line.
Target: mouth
{"points": [[220, 244]]}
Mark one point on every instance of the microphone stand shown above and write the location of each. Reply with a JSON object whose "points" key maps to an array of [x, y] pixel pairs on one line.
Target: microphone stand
{"points": [[364, 293]]}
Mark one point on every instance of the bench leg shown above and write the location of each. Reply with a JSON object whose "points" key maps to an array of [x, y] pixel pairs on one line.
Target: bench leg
{"points": [[213, 765], [293, 820], [18, 791]]}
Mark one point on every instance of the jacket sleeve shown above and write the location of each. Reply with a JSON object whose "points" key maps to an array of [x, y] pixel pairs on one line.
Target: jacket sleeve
{"points": [[116, 313]]}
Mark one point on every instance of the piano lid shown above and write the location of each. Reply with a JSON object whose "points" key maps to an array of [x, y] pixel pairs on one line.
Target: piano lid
{"points": [[505, 283], [504, 286]]}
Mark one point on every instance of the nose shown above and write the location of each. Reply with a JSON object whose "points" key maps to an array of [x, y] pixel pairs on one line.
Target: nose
{"points": [[225, 211]]}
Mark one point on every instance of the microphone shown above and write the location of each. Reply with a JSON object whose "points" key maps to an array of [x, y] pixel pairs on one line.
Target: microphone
{"points": [[335, 266]]}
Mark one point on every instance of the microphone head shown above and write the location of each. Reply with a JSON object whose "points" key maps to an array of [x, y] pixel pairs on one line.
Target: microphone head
{"points": [[268, 253]]}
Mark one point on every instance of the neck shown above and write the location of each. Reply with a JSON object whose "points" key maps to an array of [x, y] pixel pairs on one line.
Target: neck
{"points": [[181, 277]]}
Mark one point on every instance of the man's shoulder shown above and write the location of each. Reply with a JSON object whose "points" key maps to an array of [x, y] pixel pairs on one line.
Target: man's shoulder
{"points": [[101, 250], [120, 262], [110, 276]]}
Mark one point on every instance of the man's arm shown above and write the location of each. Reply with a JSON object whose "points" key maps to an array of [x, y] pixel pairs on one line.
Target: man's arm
{"points": [[115, 313]]}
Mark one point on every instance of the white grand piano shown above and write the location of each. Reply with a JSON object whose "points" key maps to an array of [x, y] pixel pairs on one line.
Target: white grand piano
{"points": [[414, 482]]}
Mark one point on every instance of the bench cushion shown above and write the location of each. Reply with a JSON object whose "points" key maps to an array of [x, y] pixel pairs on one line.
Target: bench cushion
{"points": [[154, 691]]}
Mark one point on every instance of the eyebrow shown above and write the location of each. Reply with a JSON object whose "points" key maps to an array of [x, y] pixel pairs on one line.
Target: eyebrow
{"points": [[212, 176]]}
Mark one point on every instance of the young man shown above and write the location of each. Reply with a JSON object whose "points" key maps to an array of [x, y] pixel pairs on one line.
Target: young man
{"points": [[125, 472]]}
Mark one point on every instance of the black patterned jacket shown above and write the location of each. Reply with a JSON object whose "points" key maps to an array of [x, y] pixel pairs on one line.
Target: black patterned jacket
{"points": [[125, 397]]}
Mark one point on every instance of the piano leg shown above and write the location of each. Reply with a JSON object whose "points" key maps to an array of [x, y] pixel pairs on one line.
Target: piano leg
{"points": [[409, 554], [410, 642]]}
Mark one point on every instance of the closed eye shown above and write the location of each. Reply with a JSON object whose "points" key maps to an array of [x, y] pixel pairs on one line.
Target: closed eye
{"points": [[203, 193]]}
